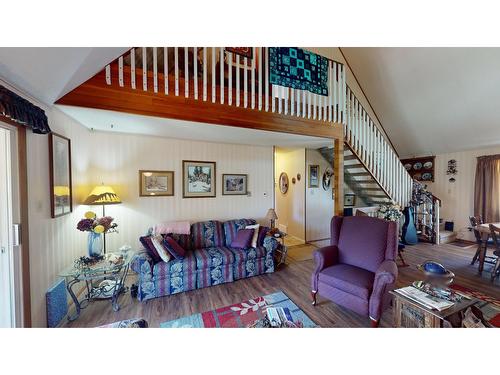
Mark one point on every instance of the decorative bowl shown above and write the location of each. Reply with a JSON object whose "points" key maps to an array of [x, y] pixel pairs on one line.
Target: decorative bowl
{"points": [[436, 273]]}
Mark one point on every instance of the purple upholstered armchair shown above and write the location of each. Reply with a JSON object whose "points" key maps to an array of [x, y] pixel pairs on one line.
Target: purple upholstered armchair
{"points": [[358, 269]]}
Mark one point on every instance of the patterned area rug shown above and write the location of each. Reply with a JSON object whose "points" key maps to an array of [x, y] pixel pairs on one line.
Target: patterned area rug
{"points": [[241, 315], [490, 307]]}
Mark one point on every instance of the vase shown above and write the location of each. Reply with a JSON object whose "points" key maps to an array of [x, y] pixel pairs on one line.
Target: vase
{"points": [[94, 244]]}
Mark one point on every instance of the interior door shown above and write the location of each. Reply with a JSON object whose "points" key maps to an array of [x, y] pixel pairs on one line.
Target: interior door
{"points": [[9, 213], [6, 300]]}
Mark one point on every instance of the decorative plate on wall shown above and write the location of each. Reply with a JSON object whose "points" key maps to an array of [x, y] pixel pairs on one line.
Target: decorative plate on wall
{"points": [[427, 176], [428, 165], [283, 183], [417, 166], [408, 166]]}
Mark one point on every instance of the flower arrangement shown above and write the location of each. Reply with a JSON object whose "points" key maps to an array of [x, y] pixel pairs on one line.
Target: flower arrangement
{"points": [[91, 223], [391, 212]]}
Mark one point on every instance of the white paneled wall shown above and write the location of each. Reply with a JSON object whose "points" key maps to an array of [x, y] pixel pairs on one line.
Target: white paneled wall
{"points": [[54, 243], [117, 158]]}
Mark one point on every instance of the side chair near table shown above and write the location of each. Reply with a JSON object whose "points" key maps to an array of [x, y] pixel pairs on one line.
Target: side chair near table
{"points": [[358, 269], [495, 235]]}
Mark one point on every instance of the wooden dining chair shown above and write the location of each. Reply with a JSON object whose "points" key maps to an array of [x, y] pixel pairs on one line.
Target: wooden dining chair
{"points": [[495, 235], [474, 222]]}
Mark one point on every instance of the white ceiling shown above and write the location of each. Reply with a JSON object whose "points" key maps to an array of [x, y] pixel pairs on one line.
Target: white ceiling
{"points": [[432, 100], [111, 121], [49, 73]]}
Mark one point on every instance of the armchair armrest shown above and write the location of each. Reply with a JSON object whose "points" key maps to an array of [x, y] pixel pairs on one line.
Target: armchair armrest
{"points": [[142, 263], [385, 279], [325, 257]]}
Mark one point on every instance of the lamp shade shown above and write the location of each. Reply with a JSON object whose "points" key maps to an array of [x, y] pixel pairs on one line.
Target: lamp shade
{"points": [[271, 214], [102, 194]]}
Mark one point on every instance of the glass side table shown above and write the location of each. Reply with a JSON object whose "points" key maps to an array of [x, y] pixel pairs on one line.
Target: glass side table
{"points": [[103, 280]]}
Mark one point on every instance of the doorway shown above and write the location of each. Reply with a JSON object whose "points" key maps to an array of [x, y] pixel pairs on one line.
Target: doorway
{"points": [[10, 280], [305, 205]]}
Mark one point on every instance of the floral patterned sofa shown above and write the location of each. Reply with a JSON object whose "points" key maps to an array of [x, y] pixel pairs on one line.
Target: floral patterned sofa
{"points": [[210, 260]]}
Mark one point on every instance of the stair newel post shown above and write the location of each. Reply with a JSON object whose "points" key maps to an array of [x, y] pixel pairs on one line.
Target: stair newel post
{"points": [[338, 171]]}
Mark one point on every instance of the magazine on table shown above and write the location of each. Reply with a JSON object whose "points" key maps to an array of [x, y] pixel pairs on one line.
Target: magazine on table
{"points": [[278, 316], [425, 299]]}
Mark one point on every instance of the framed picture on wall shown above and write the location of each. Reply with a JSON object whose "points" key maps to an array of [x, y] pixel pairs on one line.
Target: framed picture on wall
{"points": [[156, 183], [234, 184], [349, 200], [313, 176], [198, 179], [61, 197]]}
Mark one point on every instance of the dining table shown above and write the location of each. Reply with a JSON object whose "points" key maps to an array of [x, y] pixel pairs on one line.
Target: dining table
{"points": [[484, 230]]}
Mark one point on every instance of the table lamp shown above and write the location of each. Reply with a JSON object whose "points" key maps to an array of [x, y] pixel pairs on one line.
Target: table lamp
{"points": [[102, 195], [271, 216]]}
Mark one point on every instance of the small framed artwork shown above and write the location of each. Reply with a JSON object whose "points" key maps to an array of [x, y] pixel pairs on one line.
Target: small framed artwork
{"points": [[313, 176], [234, 184], [349, 200], [61, 197], [198, 179], [156, 183], [283, 183]]}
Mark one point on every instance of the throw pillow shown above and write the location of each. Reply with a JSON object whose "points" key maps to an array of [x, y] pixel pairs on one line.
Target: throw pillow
{"points": [[173, 247], [162, 250], [243, 239], [262, 235], [150, 249], [255, 233]]}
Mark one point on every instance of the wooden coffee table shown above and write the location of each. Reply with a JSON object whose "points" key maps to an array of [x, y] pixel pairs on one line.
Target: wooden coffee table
{"points": [[410, 314]]}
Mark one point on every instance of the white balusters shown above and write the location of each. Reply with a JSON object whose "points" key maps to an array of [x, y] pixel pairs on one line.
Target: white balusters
{"points": [[144, 69], [195, 72], [267, 79], [186, 72], [245, 83], [155, 70], [176, 68], [132, 68], [205, 74], [237, 80], [260, 78], [120, 71], [252, 83], [165, 69], [108, 74], [221, 63], [214, 77], [230, 78]]}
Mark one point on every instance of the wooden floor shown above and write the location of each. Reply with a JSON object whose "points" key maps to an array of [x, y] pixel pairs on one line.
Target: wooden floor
{"points": [[292, 278]]}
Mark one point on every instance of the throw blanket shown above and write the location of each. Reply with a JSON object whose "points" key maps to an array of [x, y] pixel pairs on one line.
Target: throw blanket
{"points": [[298, 69], [177, 227]]}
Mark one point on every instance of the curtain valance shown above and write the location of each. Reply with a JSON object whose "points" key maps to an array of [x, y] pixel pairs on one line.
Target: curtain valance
{"points": [[23, 112]]}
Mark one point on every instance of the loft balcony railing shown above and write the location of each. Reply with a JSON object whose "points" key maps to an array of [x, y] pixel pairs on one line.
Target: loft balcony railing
{"points": [[213, 74]]}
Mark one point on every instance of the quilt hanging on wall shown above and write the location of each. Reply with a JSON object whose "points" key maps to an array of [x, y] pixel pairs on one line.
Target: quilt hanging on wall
{"points": [[298, 69]]}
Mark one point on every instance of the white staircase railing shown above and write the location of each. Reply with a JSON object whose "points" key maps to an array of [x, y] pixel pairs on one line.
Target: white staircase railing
{"points": [[372, 148]]}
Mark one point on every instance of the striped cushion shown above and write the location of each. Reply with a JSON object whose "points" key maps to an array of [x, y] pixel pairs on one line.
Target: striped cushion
{"points": [[231, 227], [206, 234], [186, 264], [184, 240], [213, 257]]}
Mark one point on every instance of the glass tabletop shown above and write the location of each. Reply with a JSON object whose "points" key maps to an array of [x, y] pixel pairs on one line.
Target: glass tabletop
{"points": [[112, 262]]}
